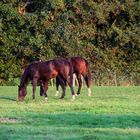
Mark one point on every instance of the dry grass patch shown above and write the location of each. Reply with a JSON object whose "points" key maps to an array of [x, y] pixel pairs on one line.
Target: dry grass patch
{"points": [[9, 120]]}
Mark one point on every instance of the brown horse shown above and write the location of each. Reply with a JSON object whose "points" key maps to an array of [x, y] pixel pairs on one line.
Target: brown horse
{"points": [[80, 67], [42, 72]]}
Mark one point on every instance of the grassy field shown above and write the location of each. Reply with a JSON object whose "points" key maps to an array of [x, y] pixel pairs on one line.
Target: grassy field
{"points": [[111, 113]]}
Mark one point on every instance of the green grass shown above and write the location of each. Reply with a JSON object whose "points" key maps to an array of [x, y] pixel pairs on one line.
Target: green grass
{"points": [[111, 113]]}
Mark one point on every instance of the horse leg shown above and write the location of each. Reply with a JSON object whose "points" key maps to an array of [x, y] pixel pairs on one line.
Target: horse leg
{"points": [[79, 83], [57, 85], [72, 90], [88, 84], [63, 85], [41, 89], [45, 89], [70, 83], [34, 87]]}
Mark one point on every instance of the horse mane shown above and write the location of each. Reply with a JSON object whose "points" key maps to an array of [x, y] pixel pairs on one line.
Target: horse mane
{"points": [[24, 77], [27, 74]]}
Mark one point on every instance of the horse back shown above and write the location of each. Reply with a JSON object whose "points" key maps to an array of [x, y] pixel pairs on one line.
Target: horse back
{"points": [[79, 64], [63, 66], [47, 70]]}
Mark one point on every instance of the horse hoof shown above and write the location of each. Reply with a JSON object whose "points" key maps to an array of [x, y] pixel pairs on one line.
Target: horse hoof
{"points": [[76, 94], [89, 94], [61, 97], [73, 97], [46, 98], [57, 92]]}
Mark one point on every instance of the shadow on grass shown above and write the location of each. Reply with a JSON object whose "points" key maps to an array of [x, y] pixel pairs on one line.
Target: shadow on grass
{"points": [[7, 98], [110, 97], [87, 120], [74, 126]]}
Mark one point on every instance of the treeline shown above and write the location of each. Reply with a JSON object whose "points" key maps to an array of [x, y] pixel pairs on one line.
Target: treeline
{"points": [[106, 33]]}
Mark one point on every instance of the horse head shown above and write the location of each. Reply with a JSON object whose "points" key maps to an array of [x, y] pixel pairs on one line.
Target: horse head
{"points": [[21, 93]]}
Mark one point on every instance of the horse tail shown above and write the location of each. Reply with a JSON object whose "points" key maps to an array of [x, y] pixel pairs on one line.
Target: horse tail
{"points": [[71, 79], [88, 75], [71, 72]]}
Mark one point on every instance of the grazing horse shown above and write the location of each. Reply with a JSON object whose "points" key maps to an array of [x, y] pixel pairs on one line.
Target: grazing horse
{"points": [[80, 67], [41, 72]]}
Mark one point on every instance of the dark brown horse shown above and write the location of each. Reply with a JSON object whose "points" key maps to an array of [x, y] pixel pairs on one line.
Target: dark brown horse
{"points": [[80, 67], [42, 72]]}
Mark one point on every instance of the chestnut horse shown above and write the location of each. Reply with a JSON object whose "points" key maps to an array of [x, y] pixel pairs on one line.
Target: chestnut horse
{"points": [[80, 67], [43, 71]]}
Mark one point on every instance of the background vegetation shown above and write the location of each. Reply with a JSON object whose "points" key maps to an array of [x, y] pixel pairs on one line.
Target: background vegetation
{"points": [[107, 33]]}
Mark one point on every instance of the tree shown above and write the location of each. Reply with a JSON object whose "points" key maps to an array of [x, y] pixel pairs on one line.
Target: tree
{"points": [[104, 32]]}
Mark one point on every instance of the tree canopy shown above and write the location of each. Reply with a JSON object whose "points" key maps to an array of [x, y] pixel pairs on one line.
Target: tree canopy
{"points": [[106, 33]]}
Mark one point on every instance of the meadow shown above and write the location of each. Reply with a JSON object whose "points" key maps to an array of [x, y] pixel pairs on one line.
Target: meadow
{"points": [[111, 113]]}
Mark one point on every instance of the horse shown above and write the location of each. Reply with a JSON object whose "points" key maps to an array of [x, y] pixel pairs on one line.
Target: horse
{"points": [[80, 67], [42, 72]]}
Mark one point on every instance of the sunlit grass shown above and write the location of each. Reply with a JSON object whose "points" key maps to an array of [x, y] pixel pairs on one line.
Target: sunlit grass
{"points": [[110, 113]]}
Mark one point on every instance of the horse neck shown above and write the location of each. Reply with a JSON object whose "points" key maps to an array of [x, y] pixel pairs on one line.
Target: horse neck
{"points": [[24, 80]]}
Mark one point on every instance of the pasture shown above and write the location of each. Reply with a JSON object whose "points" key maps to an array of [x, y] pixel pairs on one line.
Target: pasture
{"points": [[111, 113]]}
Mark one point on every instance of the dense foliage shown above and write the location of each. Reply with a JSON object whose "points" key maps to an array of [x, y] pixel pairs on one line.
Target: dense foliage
{"points": [[107, 33]]}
